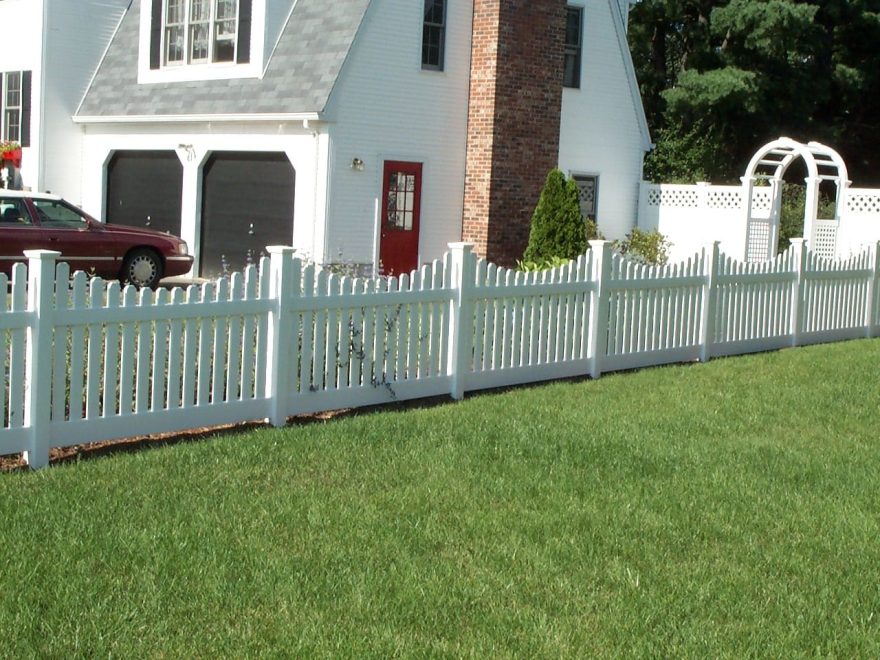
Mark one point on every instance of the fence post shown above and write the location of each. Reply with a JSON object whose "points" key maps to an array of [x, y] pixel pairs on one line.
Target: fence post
{"points": [[707, 319], [799, 255], [281, 344], [871, 302], [461, 317], [601, 276], [38, 377]]}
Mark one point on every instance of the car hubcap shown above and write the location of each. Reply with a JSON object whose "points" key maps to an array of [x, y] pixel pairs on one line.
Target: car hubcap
{"points": [[142, 270]]}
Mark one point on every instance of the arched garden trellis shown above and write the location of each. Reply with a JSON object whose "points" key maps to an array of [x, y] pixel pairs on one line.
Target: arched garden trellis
{"points": [[768, 166]]}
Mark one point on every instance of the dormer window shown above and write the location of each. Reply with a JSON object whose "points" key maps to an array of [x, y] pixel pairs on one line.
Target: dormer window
{"points": [[199, 31], [191, 32]]}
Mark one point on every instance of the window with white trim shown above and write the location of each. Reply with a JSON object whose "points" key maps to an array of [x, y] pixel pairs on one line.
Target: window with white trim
{"points": [[199, 31], [15, 106], [573, 46], [588, 189], [434, 35]]}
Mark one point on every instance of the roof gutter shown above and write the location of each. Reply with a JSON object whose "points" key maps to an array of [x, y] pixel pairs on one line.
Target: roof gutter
{"points": [[305, 117]]}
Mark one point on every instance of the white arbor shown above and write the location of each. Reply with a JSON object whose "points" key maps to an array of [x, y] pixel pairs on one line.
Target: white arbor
{"points": [[769, 165]]}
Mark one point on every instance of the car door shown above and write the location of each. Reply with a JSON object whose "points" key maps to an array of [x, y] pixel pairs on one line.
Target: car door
{"points": [[83, 243], [17, 232]]}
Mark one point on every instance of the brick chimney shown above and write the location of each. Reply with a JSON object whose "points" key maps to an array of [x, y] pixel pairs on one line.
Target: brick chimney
{"points": [[513, 120]]}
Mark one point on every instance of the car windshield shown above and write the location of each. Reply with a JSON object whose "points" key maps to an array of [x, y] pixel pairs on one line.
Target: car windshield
{"points": [[56, 214]]}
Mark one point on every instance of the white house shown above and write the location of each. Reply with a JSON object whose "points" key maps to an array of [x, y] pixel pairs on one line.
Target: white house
{"points": [[45, 67], [369, 131]]}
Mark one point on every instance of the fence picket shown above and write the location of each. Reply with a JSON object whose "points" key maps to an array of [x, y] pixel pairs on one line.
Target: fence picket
{"points": [[161, 341], [144, 344], [127, 356], [233, 374]]}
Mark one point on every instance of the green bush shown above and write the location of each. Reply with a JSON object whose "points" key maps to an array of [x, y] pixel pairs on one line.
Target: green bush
{"points": [[547, 264], [791, 213], [647, 247], [558, 228]]}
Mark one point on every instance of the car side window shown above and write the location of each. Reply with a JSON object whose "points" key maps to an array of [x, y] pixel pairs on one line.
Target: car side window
{"points": [[13, 213], [58, 215]]}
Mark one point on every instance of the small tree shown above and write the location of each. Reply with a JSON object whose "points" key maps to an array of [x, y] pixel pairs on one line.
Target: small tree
{"points": [[558, 228]]}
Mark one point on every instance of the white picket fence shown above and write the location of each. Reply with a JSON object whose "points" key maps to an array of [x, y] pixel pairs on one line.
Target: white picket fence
{"points": [[86, 361]]}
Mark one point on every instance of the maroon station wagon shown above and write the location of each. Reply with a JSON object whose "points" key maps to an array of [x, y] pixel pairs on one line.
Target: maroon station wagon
{"points": [[32, 221]]}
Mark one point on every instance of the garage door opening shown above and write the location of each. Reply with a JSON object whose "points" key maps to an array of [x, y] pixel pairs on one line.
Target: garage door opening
{"points": [[247, 204], [144, 189]]}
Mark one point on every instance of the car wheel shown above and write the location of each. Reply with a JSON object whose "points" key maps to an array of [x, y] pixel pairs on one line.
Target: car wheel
{"points": [[142, 267]]}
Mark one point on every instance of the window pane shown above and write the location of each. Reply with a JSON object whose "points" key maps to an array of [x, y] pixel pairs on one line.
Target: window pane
{"points": [[434, 12], [174, 12], [573, 28], [12, 125], [13, 89], [198, 43], [226, 9], [174, 44], [224, 43], [200, 10]]}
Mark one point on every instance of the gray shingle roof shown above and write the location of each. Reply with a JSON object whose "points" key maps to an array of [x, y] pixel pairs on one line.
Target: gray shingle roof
{"points": [[299, 78]]}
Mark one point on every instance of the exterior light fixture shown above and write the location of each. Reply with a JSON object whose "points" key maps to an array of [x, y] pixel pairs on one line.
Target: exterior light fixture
{"points": [[357, 164]]}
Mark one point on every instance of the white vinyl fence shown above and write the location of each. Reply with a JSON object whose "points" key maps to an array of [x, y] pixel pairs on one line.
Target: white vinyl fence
{"points": [[85, 361]]}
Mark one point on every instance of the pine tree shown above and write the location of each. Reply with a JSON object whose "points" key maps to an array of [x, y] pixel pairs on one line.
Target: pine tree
{"points": [[558, 228]]}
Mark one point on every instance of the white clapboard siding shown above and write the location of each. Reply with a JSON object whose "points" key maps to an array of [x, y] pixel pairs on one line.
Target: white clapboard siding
{"points": [[87, 360]]}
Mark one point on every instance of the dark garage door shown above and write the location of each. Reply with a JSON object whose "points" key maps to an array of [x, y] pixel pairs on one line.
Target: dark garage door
{"points": [[247, 204], [144, 190]]}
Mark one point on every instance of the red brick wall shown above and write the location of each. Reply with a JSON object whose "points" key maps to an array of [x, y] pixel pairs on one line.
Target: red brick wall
{"points": [[513, 120]]}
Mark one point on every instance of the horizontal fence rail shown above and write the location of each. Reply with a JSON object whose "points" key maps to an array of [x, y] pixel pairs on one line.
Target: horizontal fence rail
{"points": [[87, 360]]}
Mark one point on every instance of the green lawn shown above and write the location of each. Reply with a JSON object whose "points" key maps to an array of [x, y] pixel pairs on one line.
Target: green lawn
{"points": [[722, 510]]}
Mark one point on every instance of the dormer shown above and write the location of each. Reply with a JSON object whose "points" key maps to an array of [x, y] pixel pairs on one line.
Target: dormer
{"points": [[190, 40]]}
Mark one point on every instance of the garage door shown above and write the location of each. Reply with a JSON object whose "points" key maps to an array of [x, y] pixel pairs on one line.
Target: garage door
{"points": [[144, 190], [247, 204]]}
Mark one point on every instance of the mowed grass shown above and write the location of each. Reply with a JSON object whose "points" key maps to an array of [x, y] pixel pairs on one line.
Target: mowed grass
{"points": [[729, 509]]}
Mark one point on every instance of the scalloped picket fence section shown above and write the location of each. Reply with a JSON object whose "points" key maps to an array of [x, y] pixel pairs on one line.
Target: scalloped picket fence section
{"points": [[86, 360]]}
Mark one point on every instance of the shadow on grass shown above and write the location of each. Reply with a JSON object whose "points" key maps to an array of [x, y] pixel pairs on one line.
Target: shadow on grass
{"points": [[96, 450]]}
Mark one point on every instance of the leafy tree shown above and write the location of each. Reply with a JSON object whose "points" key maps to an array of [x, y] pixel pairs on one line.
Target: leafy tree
{"points": [[558, 228], [747, 71]]}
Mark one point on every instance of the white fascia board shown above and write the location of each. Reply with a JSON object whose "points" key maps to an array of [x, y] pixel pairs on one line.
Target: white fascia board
{"points": [[647, 145], [189, 119]]}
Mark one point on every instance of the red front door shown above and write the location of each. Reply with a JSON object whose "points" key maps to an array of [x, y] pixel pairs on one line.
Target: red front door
{"points": [[401, 202]]}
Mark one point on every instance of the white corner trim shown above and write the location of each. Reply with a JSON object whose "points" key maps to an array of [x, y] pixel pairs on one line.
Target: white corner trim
{"points": [[638, 106]]}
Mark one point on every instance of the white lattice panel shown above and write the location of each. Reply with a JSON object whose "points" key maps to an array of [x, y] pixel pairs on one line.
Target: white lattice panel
{"points": [[825, 238], [867, 203], [676, 197], [759, 240], [724, 199], [761, 199]]}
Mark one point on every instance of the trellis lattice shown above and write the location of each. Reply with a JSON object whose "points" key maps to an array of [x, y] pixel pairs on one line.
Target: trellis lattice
{"points": [[724, 199], [865, 203], [759, 239], [761, 200], [676, 198], [825, 239]]}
